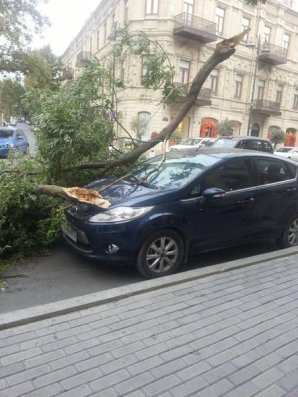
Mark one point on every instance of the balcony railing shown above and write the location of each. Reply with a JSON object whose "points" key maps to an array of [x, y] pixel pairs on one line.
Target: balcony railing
{"points": [[203, 99], [268, 108], [83, 58], [195, 28], [272, 54], [67, 74]]}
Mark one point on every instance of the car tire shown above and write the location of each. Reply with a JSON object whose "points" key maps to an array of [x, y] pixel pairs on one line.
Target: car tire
{"points": [[160, 254], [289, 236], [26, 150]]}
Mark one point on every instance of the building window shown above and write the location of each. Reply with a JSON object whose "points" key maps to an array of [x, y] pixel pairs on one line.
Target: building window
{"points": [[219, 19], [295, 102], [125, 12], [267, 34], [188, 6], [97, 39], [238, 86], [279, 91], [151, 7], [285, 43], [260, 89], [214, 81], [105, 32], [184, 69], [144, 126], [245, 25]]}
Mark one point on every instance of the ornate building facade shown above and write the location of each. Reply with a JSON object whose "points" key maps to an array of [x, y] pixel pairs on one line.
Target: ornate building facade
{"points": [[255, 91]]}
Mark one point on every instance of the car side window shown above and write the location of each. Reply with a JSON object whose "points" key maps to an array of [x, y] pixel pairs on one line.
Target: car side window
{"points": [[252, 144], [272, 171], [233, 175], [267, 147]]}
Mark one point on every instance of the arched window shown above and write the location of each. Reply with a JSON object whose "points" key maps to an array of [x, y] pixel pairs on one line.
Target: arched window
{"points": [[255, 129]]}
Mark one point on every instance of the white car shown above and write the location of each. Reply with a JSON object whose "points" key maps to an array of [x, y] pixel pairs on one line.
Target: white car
{"points": [[193, 142], [288, 151]]}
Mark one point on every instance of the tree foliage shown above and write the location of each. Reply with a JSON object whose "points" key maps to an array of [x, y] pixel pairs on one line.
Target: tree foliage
{"points": [[16, 19], [42, 69], [11, 93]]}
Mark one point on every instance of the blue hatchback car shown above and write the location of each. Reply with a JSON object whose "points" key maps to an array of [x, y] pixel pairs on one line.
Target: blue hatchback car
{"points": [[189, 201], [12, 138]]}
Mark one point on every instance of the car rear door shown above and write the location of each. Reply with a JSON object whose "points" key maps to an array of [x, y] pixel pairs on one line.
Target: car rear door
{"points": [[276, 195]]}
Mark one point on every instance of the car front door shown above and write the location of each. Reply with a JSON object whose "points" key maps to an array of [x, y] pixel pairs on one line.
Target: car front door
{"points": [[228, 218]]}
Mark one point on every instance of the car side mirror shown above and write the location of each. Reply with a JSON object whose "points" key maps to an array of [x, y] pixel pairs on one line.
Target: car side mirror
{"points": [[213, 193]]}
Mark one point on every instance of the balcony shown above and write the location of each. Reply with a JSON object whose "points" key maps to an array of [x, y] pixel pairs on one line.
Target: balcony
{"points": [[67, 74], [83, 58], [191, 27], [265, 107], [203, 99], [272, 54]]}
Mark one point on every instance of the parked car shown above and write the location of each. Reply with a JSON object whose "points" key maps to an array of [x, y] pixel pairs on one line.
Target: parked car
{"points": [[13, 121], [288, 152], [12, 138], [244, 142], [193, 142], [194, 200]]}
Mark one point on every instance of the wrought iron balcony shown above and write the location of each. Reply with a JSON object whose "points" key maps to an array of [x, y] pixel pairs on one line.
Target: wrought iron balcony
{"points": [[203, 99], [83, 58], [272, 54], [195, 28], [67, 74], [265, 107]]}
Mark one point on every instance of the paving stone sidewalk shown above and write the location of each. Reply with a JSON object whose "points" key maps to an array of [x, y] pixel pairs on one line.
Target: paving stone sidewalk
{"points": [[231, 333]]}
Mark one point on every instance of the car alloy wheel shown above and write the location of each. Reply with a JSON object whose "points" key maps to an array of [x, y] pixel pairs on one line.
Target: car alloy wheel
{"points": [[161, 254], [293, 233], [289, 237]]}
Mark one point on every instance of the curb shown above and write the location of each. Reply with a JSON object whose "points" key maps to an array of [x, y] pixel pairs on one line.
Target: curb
{"points": [[37, 313]]}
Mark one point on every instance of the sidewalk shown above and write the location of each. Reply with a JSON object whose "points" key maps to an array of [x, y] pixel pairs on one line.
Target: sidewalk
{"points": [[227, 330]]}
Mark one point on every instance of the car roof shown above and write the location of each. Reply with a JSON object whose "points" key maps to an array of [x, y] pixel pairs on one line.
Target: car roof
{"points": [[218, 152], [239, 138]]}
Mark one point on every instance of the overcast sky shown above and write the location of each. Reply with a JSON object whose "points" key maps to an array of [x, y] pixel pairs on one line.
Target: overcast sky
{"points": [[67, 18]]}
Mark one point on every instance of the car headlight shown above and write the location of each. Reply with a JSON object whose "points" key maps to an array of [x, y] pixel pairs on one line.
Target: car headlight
{"points": [[119, 214], [10, 145]]}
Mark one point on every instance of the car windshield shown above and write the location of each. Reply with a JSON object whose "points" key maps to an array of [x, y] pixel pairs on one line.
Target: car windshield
{"points": [[6, 133], [173, 173], [191, 141], [284, 149], [224, 143]]}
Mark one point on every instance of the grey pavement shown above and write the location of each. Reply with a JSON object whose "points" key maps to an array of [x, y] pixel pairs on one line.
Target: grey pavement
{"points": [[229, 330]]}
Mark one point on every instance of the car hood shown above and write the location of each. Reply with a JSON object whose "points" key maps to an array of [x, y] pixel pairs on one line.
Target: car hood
{"points": [[124, 193]]}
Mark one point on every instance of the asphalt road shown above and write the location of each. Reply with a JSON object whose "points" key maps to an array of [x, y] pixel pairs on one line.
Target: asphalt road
{"points": [[62, 274]]}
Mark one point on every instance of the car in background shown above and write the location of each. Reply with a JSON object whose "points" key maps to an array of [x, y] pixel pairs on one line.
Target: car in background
{"points": [[288, 152], [244, 142], [193, 142], [12, 138], [13, 121], [184, 202]]}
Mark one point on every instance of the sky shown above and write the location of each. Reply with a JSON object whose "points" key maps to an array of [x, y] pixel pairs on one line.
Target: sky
{"points": [[67, 17]]}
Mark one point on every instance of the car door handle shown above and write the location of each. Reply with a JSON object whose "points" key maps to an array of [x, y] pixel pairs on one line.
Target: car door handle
{"points": [[246, 201], [291, 189]]}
